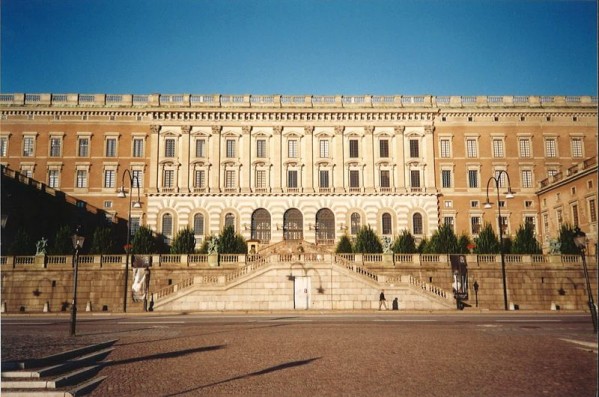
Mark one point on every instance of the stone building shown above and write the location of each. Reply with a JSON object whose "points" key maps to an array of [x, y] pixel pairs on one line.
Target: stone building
{"points": [[310, 168]]}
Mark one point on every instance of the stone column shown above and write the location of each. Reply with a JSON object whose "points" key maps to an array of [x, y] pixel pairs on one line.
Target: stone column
{"points": [[154, 143], [368, 160], [428, 159], [184, 148], [339, 160], [400, 159], [276, 158], [245, 159], [308, 159], [214, 156]]}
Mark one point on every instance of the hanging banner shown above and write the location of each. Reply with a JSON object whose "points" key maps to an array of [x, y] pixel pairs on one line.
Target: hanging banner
{"points": [[459, 270], [140, 265]]}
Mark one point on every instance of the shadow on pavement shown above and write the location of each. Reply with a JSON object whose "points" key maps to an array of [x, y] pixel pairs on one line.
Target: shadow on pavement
{"points": [[173, 354], [257, 373]]}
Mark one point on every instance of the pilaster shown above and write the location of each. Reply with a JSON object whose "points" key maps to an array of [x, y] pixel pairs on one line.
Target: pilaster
{"points": [[214, 155], [339, 160], [308, 157]]}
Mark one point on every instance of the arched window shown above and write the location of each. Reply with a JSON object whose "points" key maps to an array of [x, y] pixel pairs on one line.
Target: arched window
{"points": [[386, 221], [355, 223], [293, 225], [261, 225], [167, 225], [325, 227], [230, 220], [198, 224], [417, 224]]}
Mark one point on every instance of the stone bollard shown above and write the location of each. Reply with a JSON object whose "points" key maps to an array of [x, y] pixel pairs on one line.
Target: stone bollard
{"points": [[3, 309], [512, 306], [88, 307], [553, 306], [46, 307]]}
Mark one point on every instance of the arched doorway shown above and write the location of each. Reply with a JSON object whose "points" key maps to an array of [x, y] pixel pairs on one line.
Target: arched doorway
{"points": [[325, 227], [261, 226], [293, 225]]}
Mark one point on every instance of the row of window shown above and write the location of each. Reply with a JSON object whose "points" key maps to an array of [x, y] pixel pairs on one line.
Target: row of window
{"points": [[81, 178], [574, 213], [524, 147], [83, 148], [293, 224], [473, 180]]}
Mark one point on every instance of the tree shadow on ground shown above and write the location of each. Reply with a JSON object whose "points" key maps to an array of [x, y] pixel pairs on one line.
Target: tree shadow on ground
{"points": [[265, 371], [178, 353]]}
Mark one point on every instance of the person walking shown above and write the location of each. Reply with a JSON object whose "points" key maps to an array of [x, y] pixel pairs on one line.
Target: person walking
{"points": [[382, 300]]}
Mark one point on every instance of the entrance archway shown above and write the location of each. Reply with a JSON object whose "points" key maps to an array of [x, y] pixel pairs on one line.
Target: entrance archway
{"points": [[261, 226], [293, 225], [325, 227]]}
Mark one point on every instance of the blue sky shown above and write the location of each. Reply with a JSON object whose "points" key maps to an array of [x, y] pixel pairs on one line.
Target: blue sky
{"points": [[319, 47]]}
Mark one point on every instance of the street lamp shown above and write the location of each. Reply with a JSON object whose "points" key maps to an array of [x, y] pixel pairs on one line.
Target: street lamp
{"points": [[581, 242], [509, 194], [78, 240], [137, 204]]}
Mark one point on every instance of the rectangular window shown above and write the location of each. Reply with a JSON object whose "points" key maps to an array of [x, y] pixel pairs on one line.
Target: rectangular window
{"points": [[138, 178], [324, 148], [386, 223], [199, 179], [261, 179], [446, 178], [3, 146], [576, 144], [292, 148], [415, 179], [592, 210], [28, 146], [81, 179], [53, 180], [414, 148], [55, 147], [230, 179], [449, 221], [323, 180], [109, 179], [354, 179], [353, 148], [575, 214], [83, 147], [498, 148], [135, 224], [138, 147], [526, 178], [529, 220], [385, 179], [550, 149], [475, 224], [168, 178], [200, 148], [445, 148], [384, 148], [292, 179], [111, 147], [504, 225], [501, 177], [471, 148], [525, 148], [169, 147], [472, 179], [560, 218], [261, 148]]}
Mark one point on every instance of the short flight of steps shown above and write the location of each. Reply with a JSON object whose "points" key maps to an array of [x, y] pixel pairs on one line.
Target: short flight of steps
{"points": [[71, 373]]}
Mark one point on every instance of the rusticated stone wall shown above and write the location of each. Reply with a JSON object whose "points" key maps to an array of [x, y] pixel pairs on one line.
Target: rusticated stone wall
{"points": [[530, 286]]}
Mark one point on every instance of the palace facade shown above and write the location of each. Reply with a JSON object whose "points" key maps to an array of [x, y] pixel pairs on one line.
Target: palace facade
{"points": [[310, 167]]}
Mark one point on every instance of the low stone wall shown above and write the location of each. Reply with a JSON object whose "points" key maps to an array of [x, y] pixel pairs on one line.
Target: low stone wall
{"points": [[32, 285]]}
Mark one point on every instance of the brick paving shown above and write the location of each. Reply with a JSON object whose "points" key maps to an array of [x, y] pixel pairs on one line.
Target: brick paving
{"points": [[289, 357]]}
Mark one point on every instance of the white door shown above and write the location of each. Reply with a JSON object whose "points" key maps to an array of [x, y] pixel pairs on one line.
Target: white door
{"points": [[302, 292]]}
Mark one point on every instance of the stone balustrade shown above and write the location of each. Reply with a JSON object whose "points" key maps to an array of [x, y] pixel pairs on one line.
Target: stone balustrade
{"points": [[289, 101]]}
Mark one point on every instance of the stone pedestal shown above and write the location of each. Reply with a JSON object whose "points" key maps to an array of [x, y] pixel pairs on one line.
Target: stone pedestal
{"points": [[388, 259], [213, 260]]}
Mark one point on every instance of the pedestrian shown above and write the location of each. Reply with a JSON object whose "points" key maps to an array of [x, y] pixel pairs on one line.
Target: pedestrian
{"points": [[382, 300]]}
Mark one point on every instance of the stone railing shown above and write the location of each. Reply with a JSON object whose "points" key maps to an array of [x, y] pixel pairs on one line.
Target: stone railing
{"points": [[430, 288], [232, 260], [585, 165], [289, 101]]}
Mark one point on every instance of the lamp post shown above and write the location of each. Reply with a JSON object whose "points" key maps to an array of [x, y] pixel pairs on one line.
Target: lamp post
{"points": [[509, 194], [78, 240], [137, 204], [580, 241]]}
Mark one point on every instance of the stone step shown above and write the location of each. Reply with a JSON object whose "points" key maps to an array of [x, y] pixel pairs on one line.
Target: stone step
{"points": [[68, 379]]}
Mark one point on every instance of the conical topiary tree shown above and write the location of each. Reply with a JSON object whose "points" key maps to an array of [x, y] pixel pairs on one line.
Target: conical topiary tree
{"points": [[367, 241], [404, 243], [566, 241], [231, 243], [184, 242], [63, 241], [443, 241], [102, 242], [464, 244], [344, 246], [143, 241], [525, 242], [487, 241], [22, 244]]}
